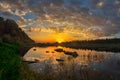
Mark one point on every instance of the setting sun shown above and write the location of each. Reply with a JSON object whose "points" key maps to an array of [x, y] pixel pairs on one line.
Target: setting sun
{"points": [[60, 40], [60, 37]]}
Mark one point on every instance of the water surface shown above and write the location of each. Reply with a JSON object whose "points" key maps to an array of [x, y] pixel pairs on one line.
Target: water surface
{"points": [[107, 61]]}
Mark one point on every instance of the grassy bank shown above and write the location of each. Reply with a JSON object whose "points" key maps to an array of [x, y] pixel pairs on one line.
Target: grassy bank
{"points": [[9, 62], [11, 66]]}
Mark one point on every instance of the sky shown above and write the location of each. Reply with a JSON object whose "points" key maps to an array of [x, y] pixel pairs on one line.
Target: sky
{"points": [[64, 20]]}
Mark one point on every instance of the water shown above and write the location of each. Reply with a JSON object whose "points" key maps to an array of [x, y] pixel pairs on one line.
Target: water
{"points": [[105, 61]]}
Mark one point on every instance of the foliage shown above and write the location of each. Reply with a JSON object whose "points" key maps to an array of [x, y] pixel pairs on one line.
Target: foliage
{"points": [[9, 62], [99, 44], [11, 65]]}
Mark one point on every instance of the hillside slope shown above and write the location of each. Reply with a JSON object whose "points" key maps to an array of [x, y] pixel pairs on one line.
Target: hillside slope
{"points": [[11, 33]]}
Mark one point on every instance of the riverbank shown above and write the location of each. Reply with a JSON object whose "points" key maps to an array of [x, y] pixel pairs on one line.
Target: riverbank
{"points": [[11, 65], [9, 62], [108, 47]]}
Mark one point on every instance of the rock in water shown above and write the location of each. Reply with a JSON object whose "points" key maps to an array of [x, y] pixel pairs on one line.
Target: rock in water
{"points": [[59, 50], [59, 60], [74, 54]]}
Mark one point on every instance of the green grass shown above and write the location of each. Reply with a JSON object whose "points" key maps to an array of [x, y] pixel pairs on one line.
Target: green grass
{"points": [[11, 65], [10, 62]]}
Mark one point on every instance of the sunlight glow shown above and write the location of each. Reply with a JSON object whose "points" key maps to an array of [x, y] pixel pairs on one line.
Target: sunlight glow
{"points": [[60, 40]]}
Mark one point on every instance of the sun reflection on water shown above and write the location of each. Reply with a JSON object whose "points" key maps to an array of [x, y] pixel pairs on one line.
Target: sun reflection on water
{"points": [[59, 47]]}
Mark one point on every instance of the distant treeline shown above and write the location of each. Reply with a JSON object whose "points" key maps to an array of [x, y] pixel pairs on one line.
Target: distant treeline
{"points": [[112, 45], [97, 41], [99, 44]]}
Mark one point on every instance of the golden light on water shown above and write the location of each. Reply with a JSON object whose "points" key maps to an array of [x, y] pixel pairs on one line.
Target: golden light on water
{"points": [[60, 47]]}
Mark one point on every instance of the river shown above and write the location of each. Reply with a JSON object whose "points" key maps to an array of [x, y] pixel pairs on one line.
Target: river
{"points": [[96, 60]]}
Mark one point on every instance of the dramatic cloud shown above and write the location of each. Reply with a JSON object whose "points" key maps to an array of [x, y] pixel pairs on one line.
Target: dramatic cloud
{"points": [[81, 19]]}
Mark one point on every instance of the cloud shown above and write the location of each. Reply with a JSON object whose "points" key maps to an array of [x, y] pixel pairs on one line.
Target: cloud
{"points": [[94, 18], [34, 29], [117, 35]]}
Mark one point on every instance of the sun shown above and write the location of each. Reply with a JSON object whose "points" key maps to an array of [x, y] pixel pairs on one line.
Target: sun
{"points": [[61, 37], [60, 40]]}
